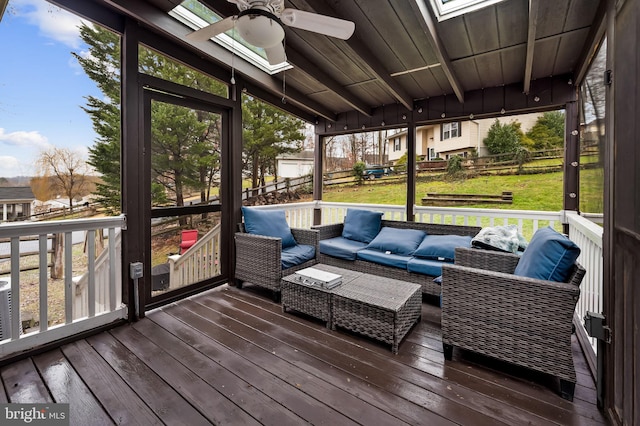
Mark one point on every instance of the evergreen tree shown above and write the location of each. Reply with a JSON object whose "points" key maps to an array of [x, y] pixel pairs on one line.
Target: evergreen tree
{"points": [[548, 132], [267, 133], [102, 65], [503, 138]]}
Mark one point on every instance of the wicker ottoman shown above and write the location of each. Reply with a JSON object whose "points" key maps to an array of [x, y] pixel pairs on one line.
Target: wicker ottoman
{"points": [[312, 300], [381, 308]]}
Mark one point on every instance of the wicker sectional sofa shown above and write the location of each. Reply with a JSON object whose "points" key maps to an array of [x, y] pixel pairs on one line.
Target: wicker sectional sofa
{"points": [[429, 287]]}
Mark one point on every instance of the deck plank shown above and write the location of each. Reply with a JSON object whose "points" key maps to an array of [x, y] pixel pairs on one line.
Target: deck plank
{"points": [[235, 352], [117, 398], [211, 369], [331, 400], [306, 354], [532, 398], [216, 406], [165, 402], [378, 368], [67, 387], [24, 384]]}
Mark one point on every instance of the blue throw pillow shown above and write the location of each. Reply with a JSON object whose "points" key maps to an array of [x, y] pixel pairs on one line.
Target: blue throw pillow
{"points": [[441, 247], [549, 256], [361, 225], [397, 241], [270, 223]]}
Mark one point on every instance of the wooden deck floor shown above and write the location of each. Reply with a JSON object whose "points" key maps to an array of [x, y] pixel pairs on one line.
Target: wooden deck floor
{"points": [[232, 357]]}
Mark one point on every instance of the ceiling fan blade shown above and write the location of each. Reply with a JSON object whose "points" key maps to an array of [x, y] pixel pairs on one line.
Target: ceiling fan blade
{"points": [[205, 33], [275, 54], [321, 24]]}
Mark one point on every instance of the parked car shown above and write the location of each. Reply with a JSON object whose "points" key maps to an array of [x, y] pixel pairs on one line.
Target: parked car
{"points": [[375, 172]]}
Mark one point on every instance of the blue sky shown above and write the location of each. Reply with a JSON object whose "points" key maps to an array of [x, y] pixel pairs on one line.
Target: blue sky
{"points": [[42, 87]]}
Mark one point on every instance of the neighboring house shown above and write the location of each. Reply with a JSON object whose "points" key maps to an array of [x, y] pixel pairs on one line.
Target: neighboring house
{"points": [[16, 202], [295, 165], [455, 138]]}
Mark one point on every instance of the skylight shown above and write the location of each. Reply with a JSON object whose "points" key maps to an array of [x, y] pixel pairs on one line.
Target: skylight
{"points": [[446, 9], [195, 15]]}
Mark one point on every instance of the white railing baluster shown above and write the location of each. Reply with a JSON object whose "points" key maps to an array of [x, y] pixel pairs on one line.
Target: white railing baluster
{"points": [[43, 282], [68, 278], [16, 324], [112, 271], [91, 269]]}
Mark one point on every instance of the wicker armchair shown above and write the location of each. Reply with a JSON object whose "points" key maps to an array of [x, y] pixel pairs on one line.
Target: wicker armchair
{"points": [[258, 258], [524, 321]]}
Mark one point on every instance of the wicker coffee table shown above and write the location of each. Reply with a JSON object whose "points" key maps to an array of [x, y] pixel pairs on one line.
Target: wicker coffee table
{"points": [[381, 308], [314, 301]]}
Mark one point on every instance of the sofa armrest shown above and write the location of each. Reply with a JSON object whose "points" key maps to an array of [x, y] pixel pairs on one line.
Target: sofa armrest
{"points": [[329, 231], [486, 259], [305, 236], [257, 253], [518, 305]]}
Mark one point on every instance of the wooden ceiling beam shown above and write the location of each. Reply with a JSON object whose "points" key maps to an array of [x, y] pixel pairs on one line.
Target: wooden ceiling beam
{"points": [[531, 43], [362, 50], [429, 27], [161, 22]]}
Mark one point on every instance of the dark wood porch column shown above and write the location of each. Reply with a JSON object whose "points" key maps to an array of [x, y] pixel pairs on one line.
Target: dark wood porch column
{"points": [[571, 158], [318, 177], [232, 163], [411, 170], [134, 191]]}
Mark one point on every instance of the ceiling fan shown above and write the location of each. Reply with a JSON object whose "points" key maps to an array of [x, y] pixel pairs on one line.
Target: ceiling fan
{"points": [[260, 23]]}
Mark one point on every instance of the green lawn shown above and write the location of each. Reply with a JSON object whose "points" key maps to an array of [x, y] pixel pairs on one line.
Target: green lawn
{"points": [[530, 192]]}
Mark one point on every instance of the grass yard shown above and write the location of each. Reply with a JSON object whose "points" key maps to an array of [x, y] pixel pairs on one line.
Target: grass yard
{"points": [[530, 192]]}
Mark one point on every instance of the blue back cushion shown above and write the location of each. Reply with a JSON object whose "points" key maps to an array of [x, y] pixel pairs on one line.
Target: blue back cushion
{"points": [[397, 241], [297, 255], [549, 256], [270, 223], [361, 225], [441, 247], [340, 247]]}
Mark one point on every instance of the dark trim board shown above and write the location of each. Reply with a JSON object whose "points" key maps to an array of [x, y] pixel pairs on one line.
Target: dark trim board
{"points": [[232, 356]]}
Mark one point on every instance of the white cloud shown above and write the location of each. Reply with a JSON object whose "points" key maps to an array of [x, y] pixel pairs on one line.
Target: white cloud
{"points": [[52, 21], [22, 139], [11, 166]]}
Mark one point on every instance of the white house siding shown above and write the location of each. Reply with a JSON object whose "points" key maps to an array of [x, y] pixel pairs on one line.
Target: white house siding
{"points": [[473, 133], [294, 168]]}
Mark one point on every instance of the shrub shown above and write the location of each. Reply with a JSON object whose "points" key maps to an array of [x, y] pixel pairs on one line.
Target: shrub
{"points": [[358, 171]]}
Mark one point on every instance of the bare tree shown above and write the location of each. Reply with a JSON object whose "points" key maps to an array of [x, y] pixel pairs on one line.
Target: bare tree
{"points": [[66, 169]]}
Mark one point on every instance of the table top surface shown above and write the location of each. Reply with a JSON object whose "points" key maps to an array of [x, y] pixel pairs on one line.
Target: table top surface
{"points": [[374, 290]]}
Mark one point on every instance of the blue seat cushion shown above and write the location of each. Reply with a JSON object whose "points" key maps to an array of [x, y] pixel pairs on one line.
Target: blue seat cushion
{"points": [[382, 258], [549, 256], [296, 255], [433, 268], [340, 247], [441, 247], [397, 241], [270, 223], [361, 225]]}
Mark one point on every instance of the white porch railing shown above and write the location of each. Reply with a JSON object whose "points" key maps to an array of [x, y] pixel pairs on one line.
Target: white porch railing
{"points": [[95, 314], [588, 236], [300, 215], [200, 262]]}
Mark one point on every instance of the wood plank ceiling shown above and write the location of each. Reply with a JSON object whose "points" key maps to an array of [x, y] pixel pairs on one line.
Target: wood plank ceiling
{"points": [[400, 54]]}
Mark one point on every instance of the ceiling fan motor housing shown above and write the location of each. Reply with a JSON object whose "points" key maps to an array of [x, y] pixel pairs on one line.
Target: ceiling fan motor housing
{"points": [[259, 28]]}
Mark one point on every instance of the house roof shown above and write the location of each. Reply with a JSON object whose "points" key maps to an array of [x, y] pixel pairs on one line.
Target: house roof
{"points": [[16, 194]]}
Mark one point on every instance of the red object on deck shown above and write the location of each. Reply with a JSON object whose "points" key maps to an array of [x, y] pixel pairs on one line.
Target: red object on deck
{"points": [[189, 238]]}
